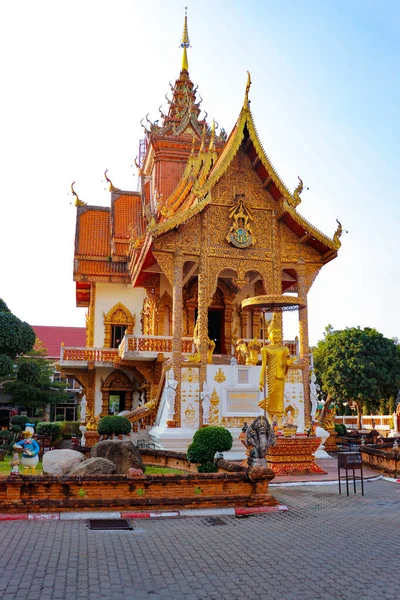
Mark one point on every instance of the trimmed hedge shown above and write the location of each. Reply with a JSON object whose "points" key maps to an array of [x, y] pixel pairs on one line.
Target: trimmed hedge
{"points": [[207, 468], [114, 425], [70, 428], [206, 442], [20, 420], [340, 429], [53, 430], [6, 435]]}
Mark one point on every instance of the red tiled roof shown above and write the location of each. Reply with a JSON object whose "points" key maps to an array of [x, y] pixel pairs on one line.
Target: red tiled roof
{"points": [[52, 337], [94, 233], [126, 215]]}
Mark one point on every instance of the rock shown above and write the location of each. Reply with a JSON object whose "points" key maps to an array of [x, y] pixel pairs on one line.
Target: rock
{"points": [[60, 462], [135, 473], [94, 466], [122, 453]]}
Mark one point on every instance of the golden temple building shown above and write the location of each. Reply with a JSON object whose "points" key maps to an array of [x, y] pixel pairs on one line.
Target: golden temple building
{"points": [[163, 272]]}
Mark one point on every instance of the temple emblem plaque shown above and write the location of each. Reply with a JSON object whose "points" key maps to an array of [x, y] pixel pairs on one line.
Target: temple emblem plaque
{"points": [[240, 233]]}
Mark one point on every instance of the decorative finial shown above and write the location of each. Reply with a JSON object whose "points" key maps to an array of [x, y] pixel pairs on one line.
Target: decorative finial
{"points": [[185, 43], [338, 233], [111, 188], [77, 202], [246, 96], [203, 137], [193, 143], [211, 146], [297, 192]]}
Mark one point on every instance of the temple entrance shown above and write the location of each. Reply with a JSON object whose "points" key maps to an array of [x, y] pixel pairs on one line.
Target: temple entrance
{"points": [[216, 328]]}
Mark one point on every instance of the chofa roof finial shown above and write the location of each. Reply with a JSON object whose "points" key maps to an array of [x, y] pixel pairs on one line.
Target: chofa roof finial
{"points": [[246, 96], [185, 43], [77, 202]]}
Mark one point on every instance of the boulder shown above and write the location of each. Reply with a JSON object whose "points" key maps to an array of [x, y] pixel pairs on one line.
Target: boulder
{"points": [[60, 462], [94, 466], [122, 453]]}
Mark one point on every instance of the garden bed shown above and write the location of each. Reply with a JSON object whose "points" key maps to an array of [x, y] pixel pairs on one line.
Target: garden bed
{"points": [[231, 486]]}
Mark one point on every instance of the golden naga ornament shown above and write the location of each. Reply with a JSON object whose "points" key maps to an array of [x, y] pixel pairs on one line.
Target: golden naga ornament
{"points": [[240, 233]]}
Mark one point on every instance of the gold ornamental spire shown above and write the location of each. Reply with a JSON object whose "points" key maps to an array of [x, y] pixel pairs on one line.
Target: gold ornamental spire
{"points": [[185, 43], [246, 96]]}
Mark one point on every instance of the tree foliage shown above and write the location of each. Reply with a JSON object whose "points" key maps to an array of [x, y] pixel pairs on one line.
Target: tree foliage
{"points": [[359, 365], [27, 374], [16, 336]]}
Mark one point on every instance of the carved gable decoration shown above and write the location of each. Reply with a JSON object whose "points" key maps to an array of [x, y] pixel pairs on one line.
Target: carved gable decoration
{"points": [[240, 234]]}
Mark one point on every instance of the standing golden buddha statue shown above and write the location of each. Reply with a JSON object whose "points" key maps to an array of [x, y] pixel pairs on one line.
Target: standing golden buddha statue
{"points": [[276, 357]]}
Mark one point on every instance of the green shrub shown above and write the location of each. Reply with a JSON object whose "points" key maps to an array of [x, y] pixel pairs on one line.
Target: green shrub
{"points": [[340, 429], [208, 467], [20, 420], [114, 424], [16, 429], [70, 428], [206, 442], [60, 417], [53, 430], [6, 435]]}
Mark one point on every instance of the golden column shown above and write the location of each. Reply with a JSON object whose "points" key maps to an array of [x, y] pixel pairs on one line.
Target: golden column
{"points": [[202, 313], [304, 343], [177, 328]]}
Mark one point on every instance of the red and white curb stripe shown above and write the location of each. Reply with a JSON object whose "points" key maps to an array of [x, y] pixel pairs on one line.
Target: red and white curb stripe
{"points": [[391, 479], [203, 512]]}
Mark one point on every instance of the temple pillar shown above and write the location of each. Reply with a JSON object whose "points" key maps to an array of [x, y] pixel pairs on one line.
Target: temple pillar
{"points": [[191, 320], [257, 324], [202, 316], [90, 389], [304, 343], [243, 323], [177, 328], [228, 327]]}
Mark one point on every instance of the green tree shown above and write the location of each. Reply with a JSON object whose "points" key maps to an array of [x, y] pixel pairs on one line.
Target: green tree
{"points": [[25, 372], [357, 365]]}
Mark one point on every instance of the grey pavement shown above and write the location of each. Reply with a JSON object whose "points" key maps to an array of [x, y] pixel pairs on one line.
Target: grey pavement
{"points": [[325, 546]]}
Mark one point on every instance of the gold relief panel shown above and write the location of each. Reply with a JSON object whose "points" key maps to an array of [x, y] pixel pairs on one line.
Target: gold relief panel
{"points": [[191, 375], [190, 413], [214, 409], [235, 421], [220, 376], [294, 376]]}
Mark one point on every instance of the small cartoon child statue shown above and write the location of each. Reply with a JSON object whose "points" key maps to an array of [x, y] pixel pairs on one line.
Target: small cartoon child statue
{"points": [[30, 449], [15, 464]]}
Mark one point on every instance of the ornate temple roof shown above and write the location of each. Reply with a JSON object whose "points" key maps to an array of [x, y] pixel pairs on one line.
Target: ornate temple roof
{"points": [[204, 170], [183, 159]]}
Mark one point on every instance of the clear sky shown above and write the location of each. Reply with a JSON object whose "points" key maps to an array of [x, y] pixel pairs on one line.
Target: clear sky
{"points": [[78, 76]]}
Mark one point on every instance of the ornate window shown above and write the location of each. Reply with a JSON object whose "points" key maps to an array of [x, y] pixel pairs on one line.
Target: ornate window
{"points": [[117, 322]]}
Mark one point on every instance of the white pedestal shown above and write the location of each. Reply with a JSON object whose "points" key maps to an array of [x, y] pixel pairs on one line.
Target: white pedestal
{"points": [[323, 434]]}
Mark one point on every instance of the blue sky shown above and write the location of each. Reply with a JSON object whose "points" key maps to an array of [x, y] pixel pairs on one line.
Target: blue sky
{"points": [[78, 76]]}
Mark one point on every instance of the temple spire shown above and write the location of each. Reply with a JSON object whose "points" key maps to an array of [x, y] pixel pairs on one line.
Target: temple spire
{"points": [[185, 43]]}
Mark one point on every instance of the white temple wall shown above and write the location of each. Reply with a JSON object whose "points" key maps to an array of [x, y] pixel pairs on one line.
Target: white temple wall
{"points": [[107, 296]]}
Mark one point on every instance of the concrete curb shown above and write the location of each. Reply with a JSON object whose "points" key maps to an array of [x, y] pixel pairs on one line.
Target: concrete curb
{"points": [[391, 479], [206, 512], [331, 482]]}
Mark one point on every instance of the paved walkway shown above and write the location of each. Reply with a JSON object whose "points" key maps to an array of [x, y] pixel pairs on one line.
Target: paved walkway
{"points": [[324, 547]]}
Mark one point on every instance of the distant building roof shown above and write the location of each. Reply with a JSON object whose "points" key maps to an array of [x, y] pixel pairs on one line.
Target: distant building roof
{"points": [[52, 337]]}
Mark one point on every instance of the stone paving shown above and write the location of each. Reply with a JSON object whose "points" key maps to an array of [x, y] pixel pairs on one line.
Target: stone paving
{"points": [[325, 546]]}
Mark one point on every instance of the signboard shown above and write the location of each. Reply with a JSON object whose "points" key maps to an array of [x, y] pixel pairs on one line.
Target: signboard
{"points": [[241, 402]]}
